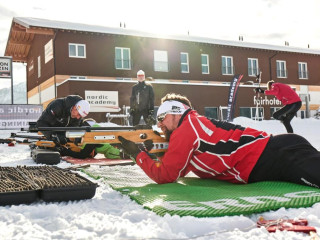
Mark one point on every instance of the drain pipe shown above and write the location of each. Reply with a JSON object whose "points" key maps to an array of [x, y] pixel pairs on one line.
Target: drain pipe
{"points": [[54, 64], [270, 68]]}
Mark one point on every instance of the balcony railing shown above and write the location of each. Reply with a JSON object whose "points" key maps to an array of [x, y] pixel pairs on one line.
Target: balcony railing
{"points": [[161, 66], [228, 70], [303, 74], [123, 64], [282, 73]]}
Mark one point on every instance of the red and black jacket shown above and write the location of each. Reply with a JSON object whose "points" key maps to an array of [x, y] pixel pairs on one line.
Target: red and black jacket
{"points": [[208, 148]]}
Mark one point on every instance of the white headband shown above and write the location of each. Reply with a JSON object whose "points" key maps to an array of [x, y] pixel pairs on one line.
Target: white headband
{"points": [[172, 107]]}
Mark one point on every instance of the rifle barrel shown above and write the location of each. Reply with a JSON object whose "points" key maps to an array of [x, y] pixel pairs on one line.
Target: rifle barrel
{"points": [[89, 129], [27, 136]]}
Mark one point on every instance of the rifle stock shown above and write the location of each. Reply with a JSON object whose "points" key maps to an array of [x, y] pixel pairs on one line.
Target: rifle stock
{"points": [[101, 135], [137, 136]]}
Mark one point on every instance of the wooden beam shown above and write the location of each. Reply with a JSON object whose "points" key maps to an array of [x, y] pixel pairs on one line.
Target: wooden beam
{"points": [[20, 42], [18, 28], [40, 31], [19, 59]]}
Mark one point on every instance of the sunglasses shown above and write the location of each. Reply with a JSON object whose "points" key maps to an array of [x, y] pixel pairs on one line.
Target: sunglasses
{"points": [[161, 117]]}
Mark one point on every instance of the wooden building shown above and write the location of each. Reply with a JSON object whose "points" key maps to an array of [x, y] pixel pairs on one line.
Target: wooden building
{"points": [[100, 64]]}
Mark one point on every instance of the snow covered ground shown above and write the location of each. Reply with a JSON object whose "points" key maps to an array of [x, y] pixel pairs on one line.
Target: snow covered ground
{"points": [[110, 215]]}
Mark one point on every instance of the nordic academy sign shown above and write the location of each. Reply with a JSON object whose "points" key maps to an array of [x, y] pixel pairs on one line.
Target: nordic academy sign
{"points": [[5, 67], [103, 101]]}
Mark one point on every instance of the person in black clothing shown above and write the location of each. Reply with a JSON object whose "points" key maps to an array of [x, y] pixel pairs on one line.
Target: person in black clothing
{"points": [[63, 112], [142, 101], [91, 150]]}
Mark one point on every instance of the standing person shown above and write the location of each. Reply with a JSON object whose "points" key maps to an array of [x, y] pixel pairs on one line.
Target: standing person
{"points": [[63, 112], [221, 150], [142, 101], [288, 97]]}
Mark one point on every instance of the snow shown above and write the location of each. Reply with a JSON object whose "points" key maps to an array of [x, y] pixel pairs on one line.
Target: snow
{"points": [[110, 215]]}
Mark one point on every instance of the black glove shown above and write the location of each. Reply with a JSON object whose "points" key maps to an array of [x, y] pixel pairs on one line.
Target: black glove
{"points": [[131, 111], [133, 149], [148, 145], [60, 138], [259, 90], [64, 151], [151, 112]]}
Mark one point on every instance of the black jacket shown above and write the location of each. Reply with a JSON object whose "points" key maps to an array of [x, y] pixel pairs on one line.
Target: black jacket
{"points": [[142, 97], [58, 114]]}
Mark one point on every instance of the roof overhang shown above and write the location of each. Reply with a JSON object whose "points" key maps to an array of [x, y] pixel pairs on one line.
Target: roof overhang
{"points": [[20, 40], [23, 31]]}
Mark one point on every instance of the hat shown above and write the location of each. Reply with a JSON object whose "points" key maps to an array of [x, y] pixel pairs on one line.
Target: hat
{"points": [[141, 73], [171, 107], [83, 108]]}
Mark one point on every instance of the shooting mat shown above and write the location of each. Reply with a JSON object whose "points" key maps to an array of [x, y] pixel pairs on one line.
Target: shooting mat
{"points": [[191, 196]]}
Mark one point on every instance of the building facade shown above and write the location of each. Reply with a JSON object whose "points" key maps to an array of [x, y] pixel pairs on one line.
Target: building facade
{"points": [[100, 64]]}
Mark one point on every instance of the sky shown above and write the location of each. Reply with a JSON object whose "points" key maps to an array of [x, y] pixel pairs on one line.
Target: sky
{"points": [[111, 215], [258, 21]]}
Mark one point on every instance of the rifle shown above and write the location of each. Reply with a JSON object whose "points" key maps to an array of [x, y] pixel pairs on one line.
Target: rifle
{"points": [[46, 151], [13, 139], [80, 136]]}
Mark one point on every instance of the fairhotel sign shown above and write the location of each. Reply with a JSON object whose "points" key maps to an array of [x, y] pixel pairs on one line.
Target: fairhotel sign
{"points": [[266, 101]]}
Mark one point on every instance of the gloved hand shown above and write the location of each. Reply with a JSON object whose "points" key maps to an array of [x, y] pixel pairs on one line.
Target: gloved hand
{"points": [[259, 90], [64, 151], [151, 112], [60, 138], [131, 111], [133, 149], [148, 145]]}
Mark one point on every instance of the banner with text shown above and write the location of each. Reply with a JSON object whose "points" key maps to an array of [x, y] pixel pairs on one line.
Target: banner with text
{"points": [[103, 101], [232, 96], [5, 67], [18, 116]]}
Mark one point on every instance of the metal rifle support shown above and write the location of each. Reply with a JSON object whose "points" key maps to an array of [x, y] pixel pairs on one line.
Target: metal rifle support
{"points": [[258, 79]]}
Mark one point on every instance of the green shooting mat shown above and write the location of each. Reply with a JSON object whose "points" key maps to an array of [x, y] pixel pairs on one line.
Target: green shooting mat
{"points": [[192, 196]]}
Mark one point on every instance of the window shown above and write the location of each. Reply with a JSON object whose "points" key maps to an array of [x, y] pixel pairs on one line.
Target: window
{"points": [[39, 66], [227, 65], [184, 62], [122, 58], [273, 110], [305, 97], [223, 112], [281, 69], [161, 61], [78, 77], [205, 63], [77, 50], [124, 79], [303, 70], [253, 68], [250, 112], [211, 112]]}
